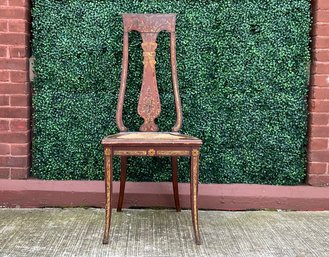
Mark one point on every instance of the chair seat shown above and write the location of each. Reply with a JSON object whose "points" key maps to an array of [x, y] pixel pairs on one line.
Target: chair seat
{"points": [[150, 138]]}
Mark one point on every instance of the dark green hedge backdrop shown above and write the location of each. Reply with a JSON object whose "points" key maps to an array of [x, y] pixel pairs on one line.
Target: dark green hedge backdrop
{"points": [[243, 75]]}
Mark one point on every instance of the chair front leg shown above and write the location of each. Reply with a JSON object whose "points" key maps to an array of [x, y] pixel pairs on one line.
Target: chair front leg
{"points": [[122, 181], [108, 191], [174, 166], [194, 194]]}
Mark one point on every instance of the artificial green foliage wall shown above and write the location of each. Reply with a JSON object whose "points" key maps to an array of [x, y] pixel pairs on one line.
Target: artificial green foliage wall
{"points": [[243, 75]]}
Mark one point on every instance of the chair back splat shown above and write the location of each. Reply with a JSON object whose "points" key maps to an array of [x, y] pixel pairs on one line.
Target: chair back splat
{"points": [[149, 107]]}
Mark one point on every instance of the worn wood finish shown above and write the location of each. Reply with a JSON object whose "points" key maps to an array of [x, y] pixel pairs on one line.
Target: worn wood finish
{"points": [[149, 142], [123, 84], [123, 174], [149, 107], [194, 193], [151, 138], [174, 166], [178, 105], [108, 192]]}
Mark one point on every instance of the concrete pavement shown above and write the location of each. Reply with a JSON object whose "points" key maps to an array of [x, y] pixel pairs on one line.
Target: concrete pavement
{"points": [[162, 233]]}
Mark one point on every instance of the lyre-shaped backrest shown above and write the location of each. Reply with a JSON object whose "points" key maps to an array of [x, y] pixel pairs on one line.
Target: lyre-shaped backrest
{"points": [[149, 108]]}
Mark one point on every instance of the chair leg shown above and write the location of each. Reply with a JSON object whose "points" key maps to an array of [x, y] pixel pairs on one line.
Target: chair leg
{"points": [[174, 166], [122, 182], [108, 192], [194, 194]]}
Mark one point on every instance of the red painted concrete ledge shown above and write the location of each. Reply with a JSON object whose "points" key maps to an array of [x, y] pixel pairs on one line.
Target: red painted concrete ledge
{"points": [[41, 193]]}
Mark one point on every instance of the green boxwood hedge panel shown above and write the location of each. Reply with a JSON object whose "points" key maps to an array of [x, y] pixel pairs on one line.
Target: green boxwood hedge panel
{"points": [[243, 68]]}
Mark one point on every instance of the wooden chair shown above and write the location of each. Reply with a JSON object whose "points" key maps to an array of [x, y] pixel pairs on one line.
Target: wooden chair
{"points": [[149, 142]]}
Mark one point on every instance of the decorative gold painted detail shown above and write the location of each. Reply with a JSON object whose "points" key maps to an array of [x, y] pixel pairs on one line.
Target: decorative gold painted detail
{"points": [[173, 153], [107, 151], [194, 195], [151, 152], [195, 152], [108, 198], [129, 153], [108, 178], [152, 45], [149, 53], [108, 167], [149, 58]]}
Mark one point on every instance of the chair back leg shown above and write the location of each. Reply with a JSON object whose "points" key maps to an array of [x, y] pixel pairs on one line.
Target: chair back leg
{"points": [[174, 166], [123, 176]]}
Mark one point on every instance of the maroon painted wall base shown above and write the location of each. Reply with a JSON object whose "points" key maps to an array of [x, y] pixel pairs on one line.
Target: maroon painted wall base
{"points": [[40, 193]]}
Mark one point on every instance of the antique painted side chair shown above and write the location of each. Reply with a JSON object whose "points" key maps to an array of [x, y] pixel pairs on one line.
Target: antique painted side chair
{"points": [[150, 142]]}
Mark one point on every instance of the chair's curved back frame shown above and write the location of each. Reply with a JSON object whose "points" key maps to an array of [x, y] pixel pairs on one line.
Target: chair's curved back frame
{"points": [[149, 108]]}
